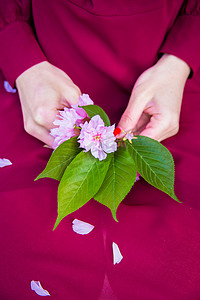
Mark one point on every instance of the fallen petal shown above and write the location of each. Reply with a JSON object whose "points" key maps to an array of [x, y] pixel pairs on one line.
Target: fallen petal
{"points": [[117, 256], [4, 162], [8, 88], [36, 287], [81, 227]]}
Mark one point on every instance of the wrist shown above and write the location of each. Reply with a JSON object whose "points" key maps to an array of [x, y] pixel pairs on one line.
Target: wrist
{"points": [[175, 65]]}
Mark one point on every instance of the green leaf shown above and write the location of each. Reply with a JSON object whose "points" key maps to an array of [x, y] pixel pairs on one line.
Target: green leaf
{"points": [[93, 110], [80, 182], [60, 159], [119, 179], [154, 163]]}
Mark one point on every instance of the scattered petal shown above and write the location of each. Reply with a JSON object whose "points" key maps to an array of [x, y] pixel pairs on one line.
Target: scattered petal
{"points": [[8, 88], [4, 162], [117, 256], [81, 227], [36, 287], [46, 146]]}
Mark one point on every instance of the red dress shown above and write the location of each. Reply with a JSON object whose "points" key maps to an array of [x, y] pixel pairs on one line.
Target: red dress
{"points": [[103, 46]]}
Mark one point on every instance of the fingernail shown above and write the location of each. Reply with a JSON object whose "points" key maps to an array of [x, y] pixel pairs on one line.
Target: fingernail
{"points": [[117, 131]]}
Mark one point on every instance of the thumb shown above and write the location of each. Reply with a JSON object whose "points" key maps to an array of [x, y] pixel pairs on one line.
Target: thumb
{"points": [[131, 115]]}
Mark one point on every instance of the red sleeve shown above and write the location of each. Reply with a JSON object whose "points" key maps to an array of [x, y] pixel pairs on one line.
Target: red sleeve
{"points": [[19, 48], [183, 39]]}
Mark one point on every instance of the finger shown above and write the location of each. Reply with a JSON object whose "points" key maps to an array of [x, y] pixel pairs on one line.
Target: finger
{"points": [[70, 95], [142, 123], [157, 128], [132, 114], [41, 134], [45, 117]]}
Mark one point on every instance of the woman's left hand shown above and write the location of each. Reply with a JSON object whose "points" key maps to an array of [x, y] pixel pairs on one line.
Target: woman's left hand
{"points": [[155, 103]]}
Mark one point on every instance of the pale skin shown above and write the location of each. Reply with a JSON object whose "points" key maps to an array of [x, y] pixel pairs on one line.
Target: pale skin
{"points": [[153, 109], [44, 90], [155, 103]]}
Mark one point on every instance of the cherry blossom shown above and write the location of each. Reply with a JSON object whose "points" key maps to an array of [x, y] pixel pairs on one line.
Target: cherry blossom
{"points": [[69, 119], [97, 138], [66, 126], [84, 99]]}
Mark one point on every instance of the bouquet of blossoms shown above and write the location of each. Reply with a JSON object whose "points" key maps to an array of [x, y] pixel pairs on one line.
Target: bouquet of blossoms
{"points": [[91, 162]]}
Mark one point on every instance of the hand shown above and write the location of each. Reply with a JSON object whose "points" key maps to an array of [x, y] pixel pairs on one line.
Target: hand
{"points": [[155, 103], [43, 91]]}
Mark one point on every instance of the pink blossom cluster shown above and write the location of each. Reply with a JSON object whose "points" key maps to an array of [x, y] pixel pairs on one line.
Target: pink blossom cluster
{"points": [[97, 138], [93, 134], [68, 120]]}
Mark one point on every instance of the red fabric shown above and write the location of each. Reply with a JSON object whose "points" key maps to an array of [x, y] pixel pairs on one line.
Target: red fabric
{"points": [[103, 46], [181, 42], [18, 39]]}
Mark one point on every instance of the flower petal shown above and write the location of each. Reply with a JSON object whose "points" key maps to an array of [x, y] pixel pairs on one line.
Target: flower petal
{"points": [[36, 287], [137, 177], [8, 88], [4, 162], [84, 99], [117, 256], [98, 138], [81, 227]]}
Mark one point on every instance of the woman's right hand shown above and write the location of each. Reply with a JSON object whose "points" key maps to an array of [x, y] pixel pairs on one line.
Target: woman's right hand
{"points": [[44, 90]]}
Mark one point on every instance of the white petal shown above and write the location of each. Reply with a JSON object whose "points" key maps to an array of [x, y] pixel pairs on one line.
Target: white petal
{"points": [[36, 287], [117, 256], [4, 162], [81, 227], [8, 88]]}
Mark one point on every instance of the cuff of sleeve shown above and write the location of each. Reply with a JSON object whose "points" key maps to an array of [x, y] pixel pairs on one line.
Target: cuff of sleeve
{"points": [[183, 41], [19, 50]]}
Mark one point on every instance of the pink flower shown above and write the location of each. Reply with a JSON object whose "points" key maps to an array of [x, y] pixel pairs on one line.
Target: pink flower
{"points": [[69, 119], [66, 125], [97, 138], [84, 99], [129, 136]]}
